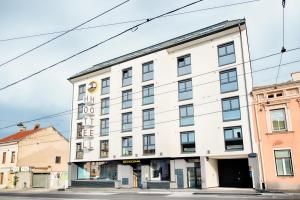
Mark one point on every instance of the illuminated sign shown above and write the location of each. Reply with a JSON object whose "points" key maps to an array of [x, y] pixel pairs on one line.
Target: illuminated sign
{"points": [[92, 86], [131, 161]]}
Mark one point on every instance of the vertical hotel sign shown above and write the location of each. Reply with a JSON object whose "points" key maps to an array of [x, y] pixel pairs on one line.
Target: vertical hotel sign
{"points": [[89, 113]]}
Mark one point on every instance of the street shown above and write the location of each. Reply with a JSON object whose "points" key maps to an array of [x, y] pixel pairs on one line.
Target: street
{"points": [[138, 195]]}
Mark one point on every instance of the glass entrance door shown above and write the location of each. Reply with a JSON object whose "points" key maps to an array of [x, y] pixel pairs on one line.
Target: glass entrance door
{"points": [[194, 177]]}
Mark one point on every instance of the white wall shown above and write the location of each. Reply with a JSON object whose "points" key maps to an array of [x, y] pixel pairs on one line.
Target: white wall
{"points": [[208, 127]]}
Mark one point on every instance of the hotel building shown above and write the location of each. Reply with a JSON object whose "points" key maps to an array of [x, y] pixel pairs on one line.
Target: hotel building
{"points": [[172, 115]]}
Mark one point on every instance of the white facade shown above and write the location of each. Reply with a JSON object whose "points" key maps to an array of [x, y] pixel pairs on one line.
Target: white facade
{"points": [[207, 103]]}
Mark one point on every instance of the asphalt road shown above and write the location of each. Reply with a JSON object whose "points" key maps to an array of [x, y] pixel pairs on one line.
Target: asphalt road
{"points": [[137, 196]]}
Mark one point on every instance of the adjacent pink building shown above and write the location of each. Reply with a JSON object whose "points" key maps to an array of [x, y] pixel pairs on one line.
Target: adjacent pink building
{"points": [[276, 111]]}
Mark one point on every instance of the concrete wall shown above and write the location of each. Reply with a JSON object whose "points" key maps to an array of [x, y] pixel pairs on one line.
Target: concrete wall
{"points": [[125, 171], [24, 180], [209, 172]]}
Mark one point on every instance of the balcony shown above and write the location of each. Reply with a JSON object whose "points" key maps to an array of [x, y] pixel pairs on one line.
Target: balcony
{"points": [[79, 154]]}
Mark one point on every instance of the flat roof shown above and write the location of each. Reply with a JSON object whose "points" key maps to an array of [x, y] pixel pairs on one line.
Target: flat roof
{"points": [[204, 32]]}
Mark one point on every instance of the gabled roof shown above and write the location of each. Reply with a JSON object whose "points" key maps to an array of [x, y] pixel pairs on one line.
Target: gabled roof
{"points": [[210, 30], [19, 135]]}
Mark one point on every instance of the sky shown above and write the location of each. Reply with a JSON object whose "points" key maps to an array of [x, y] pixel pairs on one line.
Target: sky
{"points": [[50, 92]]}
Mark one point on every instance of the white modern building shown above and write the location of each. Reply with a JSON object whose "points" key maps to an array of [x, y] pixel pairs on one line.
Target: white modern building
{"points": [[172, 115]]}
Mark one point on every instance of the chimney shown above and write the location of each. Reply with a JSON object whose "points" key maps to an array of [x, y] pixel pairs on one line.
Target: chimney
{"points": [[36, 126], [296, 76]]}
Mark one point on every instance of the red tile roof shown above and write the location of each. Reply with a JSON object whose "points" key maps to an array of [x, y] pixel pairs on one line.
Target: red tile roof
{"points": [[19, 135]]}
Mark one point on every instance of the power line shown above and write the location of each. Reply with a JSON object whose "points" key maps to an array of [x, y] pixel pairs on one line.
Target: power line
{"points": [[68, 112], [94, 46], [64, 33], [129, 21]]}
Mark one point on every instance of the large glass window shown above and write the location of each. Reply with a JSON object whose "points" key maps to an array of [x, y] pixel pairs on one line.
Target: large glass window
{"points": [[149, 144], [127, 146], [105, 86], [231, 109], [148, 119], [104, 148], [228, 81], [79, 151], [186, 113], [184, 65], [226, 54], [127, 99], [185, 89], [233, 138], [126, 122], [148, 94], [127, 76], [80, 113], [81, 92], [104, 106], [148, 71], [187, 141], [278, 119], [79, 130], [104, 126], [283, 159], [160, 170], [97, 171]]}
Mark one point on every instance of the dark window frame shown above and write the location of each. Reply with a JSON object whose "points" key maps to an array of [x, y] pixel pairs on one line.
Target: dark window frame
{"points": [[104, 152], [80, 112], [185, 65], [187, 116], [229, 82], [129, 122], [146, 147], [127, 146], [104, 105], [188, 133], [239, 108], [79, 133], [147, 65], [186, 89], [241, 139], [149, 118], [105, 83], [57, 159], [81, 91], [106, 123], [127, 76], [128, 94], [226, 45], [148, 88]]}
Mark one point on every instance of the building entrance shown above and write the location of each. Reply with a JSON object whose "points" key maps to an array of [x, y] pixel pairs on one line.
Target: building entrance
{"points": [[234, 173], [137, 183]]}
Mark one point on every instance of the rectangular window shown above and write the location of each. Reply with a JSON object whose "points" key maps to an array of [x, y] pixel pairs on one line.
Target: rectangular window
{"points": [[104, 148], [126, 122], [283, 159], [80, 111], [233, 138], [127, 99], [148, 71], [81, 92], [278, 119], [149, 144], [226, 54], [127, 146], [1, 178], [148, 94], [13, 157], [148, 118], [186, 115], [184, 65], [187, 142], [160, 170], [79, 151], [104, 126], [127, 76], [231, 109], [185, 89], [228, 81], [104, 106], [79, 130], [57, 159], [105, 86], [3, 157]]}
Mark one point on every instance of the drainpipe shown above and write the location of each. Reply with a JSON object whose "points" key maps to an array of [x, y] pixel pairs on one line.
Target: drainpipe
{"points": [[70, 139], [259, 150], [246, 89]]}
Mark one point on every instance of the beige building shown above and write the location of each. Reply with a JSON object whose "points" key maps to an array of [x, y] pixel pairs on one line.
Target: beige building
{"points": [[34, 158]]}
